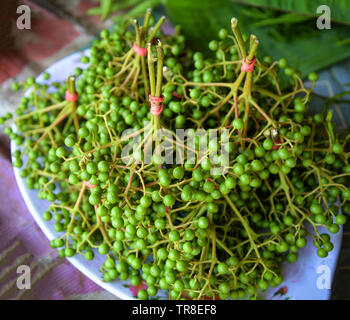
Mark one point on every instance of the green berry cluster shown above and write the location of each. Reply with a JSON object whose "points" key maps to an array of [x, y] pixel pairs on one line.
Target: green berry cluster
{"points": [[183, 227]]}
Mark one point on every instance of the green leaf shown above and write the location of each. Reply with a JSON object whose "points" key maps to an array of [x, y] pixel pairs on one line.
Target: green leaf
{"points": [[343, 42], [139, 9], [106, 8], [339, 8], [94, 11], [302, 44], [124, 4], [285, 18]]}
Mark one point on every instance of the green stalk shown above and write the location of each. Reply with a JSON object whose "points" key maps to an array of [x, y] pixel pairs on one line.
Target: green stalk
{"points": [[71, 89], [160, 62], [158, 89], [254, 43], [151, 72], [155, 29], [245, 225], [144, 29], [239, 38]]}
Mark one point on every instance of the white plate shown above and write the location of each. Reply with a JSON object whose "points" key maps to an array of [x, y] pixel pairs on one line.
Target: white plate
{"points": [[305, 280]]}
